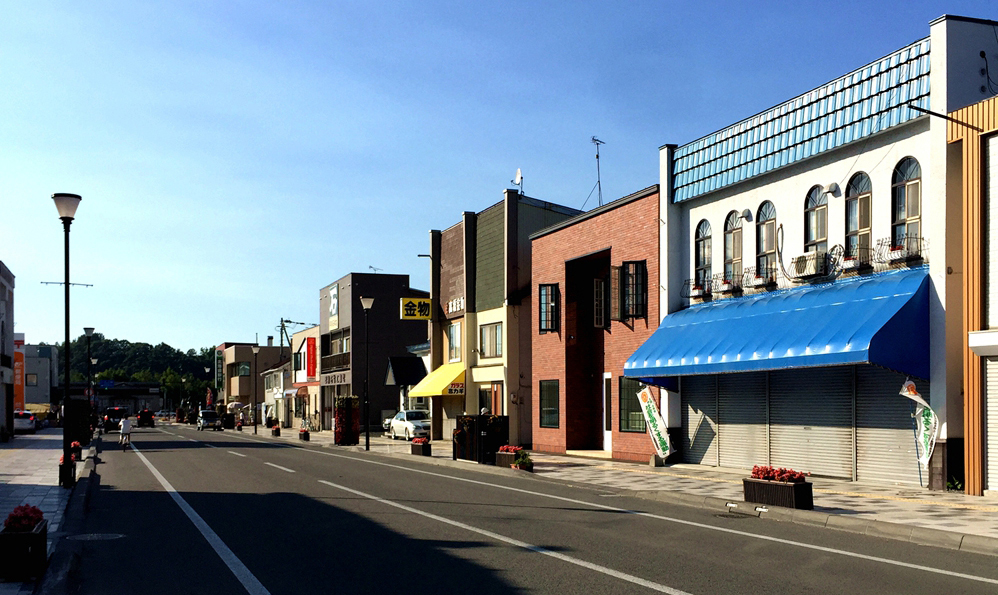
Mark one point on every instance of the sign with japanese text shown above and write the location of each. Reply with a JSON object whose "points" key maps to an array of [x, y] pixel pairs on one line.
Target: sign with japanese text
{"points": [[18, 379], [926, 423], [334, 306], [455, 388], [310, 359], [653, 419], [219, 368], [335, 378], [414, 308]]}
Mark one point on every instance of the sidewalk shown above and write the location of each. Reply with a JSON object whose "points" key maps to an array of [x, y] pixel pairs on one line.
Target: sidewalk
{"points": [[910, 513], [29, 474]]}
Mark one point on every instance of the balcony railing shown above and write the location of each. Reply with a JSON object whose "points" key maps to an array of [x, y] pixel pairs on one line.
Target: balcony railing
{"points": [[335, 362], [905, 249]]}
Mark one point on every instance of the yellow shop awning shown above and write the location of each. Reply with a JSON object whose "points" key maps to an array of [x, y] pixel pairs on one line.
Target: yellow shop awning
{"points": [[448, 379]]}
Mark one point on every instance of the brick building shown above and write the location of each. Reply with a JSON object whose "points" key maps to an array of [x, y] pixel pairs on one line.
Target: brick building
{"points": [[591, 280]]}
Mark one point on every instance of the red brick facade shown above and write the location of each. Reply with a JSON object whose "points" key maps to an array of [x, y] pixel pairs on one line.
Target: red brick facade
{"points": [[578, 354]]}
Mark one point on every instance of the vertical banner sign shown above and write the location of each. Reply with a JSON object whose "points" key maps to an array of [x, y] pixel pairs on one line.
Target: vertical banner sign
{"points": [[310, 355], [334, 306], [653, 419], [219, 368], [210, 398], [18, 379], [926, 423]]}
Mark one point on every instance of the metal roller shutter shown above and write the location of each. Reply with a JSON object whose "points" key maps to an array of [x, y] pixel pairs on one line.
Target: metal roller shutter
{"points": [[699, 401], [885, 442], [741, 418], [991, 234], [991, 423], [810, 416]]}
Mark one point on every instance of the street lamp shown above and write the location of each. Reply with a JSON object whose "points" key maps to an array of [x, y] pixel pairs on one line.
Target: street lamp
{"points": [[207, 372], [66, 204], [89, 330], [183, 389], [256, 352], [93, 383], [366, 303]]}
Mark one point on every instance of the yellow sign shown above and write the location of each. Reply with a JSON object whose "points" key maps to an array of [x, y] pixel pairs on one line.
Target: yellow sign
{"points": [[414, 308]]}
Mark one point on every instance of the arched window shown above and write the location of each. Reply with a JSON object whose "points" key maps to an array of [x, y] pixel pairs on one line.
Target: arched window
{"points": [[858, 196], [702, 254], [765, 239], [733, 248], [906, 205], [816, 221]]}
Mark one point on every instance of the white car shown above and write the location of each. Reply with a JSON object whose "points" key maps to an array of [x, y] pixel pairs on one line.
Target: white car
{"points": [[410, 424], [24, 421]]}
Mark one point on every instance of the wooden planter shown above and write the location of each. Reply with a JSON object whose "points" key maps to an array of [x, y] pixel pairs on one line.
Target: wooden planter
{"points": [[275, 431], [778, 493], [303, 435], [24, 554], [421, 449], [505, 459]]}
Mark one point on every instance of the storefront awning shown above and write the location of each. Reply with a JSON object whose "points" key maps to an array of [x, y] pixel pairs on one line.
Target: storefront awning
{"points": [[880, 319], [448, 379]]}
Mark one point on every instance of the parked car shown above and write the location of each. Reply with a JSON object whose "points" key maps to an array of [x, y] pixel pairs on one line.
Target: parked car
{"points": [[146, 418], [410, 424], [163, 415], [387, 423], [113, 417], [25, 421], [208, 419]]}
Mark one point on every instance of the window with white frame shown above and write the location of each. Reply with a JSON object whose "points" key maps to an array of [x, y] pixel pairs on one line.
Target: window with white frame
{"points": [[906, 203], [454, 342], [859, 193], [701, 251], [490, 344], [765, 240], [733, 247], [816, 221]]}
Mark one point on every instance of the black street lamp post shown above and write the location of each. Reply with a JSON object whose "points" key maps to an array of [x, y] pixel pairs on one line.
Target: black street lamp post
{"points": [[66, 204], [366, 303], [256, 379], [89, 330]]}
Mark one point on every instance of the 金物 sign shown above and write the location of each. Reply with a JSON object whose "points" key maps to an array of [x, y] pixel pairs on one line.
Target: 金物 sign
{"points": [[414, 308]]}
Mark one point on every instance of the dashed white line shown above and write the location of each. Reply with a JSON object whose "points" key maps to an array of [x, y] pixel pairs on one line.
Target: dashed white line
{"points": [[238, 454], [279, 467]]}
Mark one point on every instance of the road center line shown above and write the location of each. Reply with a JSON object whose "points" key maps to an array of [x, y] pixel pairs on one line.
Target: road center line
{"points": [[241, 572], [514, 542], [279, 467], [238, 454]]}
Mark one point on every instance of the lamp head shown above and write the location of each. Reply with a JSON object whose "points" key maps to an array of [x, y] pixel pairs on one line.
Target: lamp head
{"points": [[366, 302], [66, 204], [93, 361], [256, 349], [89, 330]]}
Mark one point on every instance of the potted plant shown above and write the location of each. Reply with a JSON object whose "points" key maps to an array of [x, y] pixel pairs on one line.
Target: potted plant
{"points": [[275, 430], [23, 543], [778, 487], [77, 449], [523, 461], [421, 446], [303, 434], [506, 455], [697, 291]]}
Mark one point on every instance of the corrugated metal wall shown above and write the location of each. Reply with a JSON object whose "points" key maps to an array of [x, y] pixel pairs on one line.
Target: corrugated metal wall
{"points": [[490, 275], [810, 412], [741, 417], [885, 441], [699, 402]]}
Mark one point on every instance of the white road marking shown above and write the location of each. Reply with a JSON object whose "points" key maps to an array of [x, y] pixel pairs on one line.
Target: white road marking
{"points": [[241, 572], [210, 445], [279, 467], [192, 439], [514, 542], [238, 454]]}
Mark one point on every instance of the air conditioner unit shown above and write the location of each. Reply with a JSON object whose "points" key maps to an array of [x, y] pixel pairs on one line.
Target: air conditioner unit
{"points": [[812, 264]]}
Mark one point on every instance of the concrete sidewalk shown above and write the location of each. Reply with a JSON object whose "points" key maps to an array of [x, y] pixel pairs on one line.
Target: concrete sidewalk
{"points": [[29, 474], [910, 513]]}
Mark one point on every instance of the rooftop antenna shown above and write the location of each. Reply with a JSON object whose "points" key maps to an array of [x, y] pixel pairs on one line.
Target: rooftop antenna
{"points": [[375, 269], [599, 185], [518, 180], [63, 283]]}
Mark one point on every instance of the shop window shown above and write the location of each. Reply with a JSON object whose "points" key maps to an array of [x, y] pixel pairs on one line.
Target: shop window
{"points": [[906, 203], [631, 417], [491, 340], [765, 240], [859, 194], [548, 302], [701, 250], [816, 221], [733, 248], [549, 403], [634, 280], [454, 342]]}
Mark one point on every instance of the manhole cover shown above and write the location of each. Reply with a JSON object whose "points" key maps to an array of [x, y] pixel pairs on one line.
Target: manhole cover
{"points": [[96, 537]]}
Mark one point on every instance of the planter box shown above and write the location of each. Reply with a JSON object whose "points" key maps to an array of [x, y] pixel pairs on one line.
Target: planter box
{"points": [[778, 493], [275, 431], [421, 449], [505, 459], [24, 555], [303, 435]]}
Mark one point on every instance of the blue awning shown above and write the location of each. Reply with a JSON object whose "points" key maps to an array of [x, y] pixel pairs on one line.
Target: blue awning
{"points": [[880, 319]]}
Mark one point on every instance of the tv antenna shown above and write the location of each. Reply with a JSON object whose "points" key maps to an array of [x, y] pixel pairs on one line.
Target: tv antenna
{"points": [[518, 180], [63, 283], [599, 184], [374, 268]]}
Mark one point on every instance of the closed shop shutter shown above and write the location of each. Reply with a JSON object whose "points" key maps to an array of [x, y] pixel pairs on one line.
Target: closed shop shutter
{"points": [[991, 233], [699, 401], [810, 412], [991, 422], [741, 418], [885, 442]]}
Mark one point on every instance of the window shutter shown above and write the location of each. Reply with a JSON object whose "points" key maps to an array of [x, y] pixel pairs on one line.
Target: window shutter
{"points": [[615, 288]]}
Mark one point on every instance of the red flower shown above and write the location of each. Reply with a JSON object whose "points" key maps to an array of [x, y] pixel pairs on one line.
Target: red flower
{"points": [[510, 448], [23, 518], [419, 440], [782, 474]]}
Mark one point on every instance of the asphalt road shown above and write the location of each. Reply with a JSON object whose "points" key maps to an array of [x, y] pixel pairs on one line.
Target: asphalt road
{"points": [[206, 512]]}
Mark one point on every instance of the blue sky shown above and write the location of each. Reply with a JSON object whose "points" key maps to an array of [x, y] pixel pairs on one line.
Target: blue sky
{"points": [[235, 157]]}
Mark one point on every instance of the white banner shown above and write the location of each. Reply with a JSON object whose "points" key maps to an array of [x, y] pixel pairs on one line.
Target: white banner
{"points": [[926, 423], [653, 419]]}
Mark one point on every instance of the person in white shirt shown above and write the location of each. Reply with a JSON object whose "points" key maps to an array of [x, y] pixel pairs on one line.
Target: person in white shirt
{"points": [[125, 429]]}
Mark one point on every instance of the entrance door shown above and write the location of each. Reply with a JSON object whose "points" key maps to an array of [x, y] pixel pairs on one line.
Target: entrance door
{"points": [[608, 412], [497, 398]]}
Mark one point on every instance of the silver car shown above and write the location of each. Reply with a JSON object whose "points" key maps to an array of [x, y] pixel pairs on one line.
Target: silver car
{"points": [[410, 424], [24, 421]]}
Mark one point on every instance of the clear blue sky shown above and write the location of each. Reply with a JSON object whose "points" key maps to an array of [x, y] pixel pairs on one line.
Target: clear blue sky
{"points": [[235, 157]]}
